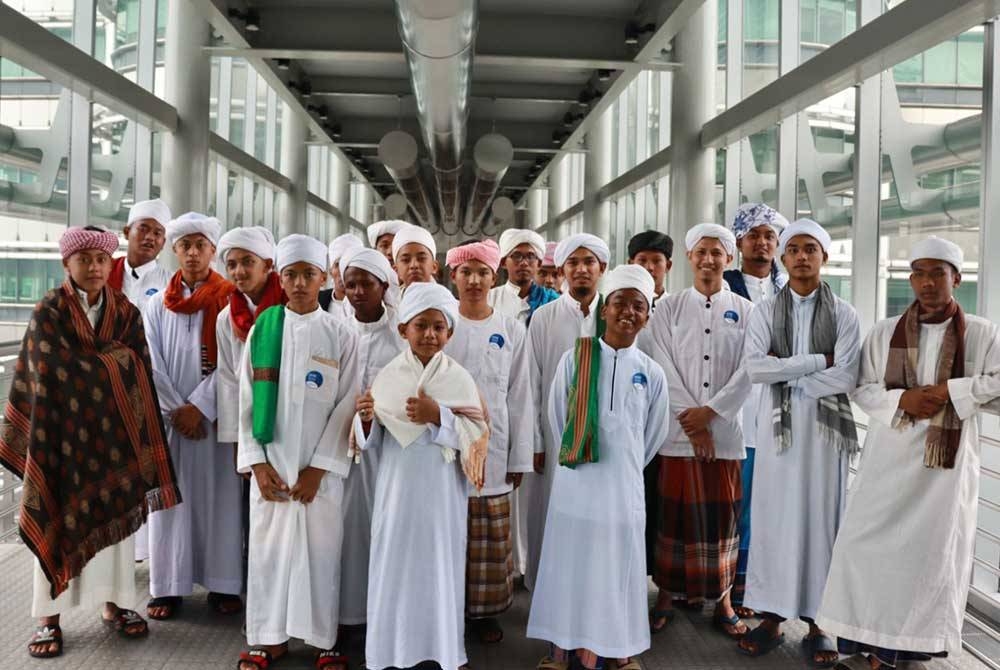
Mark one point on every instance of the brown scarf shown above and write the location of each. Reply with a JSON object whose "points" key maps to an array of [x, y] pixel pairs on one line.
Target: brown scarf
{"points": [[945, 433], [211, 296], [83, 429]]}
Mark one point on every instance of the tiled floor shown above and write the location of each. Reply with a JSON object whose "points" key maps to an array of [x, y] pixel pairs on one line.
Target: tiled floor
{"points": [[199, 639]]}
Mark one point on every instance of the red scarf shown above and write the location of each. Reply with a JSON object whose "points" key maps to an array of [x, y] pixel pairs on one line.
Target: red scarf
{"points": [[239, 311], [116, 279], [210, 297]]}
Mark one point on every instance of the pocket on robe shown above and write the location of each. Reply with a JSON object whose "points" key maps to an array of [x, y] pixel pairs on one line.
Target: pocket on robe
{"points": [[321, 380]]}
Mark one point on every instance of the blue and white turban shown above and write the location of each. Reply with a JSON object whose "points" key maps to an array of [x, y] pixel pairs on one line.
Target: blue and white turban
{"points": [[754, 214]]}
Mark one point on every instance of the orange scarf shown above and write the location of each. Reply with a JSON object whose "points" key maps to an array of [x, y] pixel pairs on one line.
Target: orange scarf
{"points": [[211, 296], [116, 279]]}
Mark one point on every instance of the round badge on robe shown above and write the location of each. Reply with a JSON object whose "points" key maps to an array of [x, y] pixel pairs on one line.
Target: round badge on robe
{"points": [[496, 341], [314, 379], [639, 381], [730, 316], [150, 291]]}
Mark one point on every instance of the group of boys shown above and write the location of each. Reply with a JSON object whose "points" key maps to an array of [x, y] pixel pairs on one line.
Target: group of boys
{"points": [[380, 459]]}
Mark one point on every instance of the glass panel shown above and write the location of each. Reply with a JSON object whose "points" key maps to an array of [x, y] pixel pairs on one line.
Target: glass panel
{"points": [[116, 35], [55, 15], [761, 20], [112, 172], [238, 101]]}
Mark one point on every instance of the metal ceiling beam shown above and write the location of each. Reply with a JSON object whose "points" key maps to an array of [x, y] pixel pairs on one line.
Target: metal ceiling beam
{"points": [[910, 28], [393, 89], [366, 132], [32, 46]]}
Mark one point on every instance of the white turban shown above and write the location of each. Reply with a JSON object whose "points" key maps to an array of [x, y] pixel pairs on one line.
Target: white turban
{"points": [[713, 230], [255, 239], [301, 249], [423, 296], [584, 240], [380, 228], [630, 276], [369, 260], [938, 249], [341, 245], [512, 238], [412, 234], [193, 223], [804, 227], [150, 209]]}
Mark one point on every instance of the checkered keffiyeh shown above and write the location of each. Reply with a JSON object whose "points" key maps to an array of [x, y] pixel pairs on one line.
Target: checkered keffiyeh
{"points": [[79, 239]]}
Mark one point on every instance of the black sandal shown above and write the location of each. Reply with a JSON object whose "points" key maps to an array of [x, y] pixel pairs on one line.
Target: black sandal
{"points": [[817, 644], [220, 602], [125, 619], [46, 635], [170, 603]]}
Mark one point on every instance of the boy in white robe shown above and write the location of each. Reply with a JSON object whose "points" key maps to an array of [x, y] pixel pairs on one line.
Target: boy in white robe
{"points": [[333, 299], [901, 566], [555, 328], [367, 278], [381, 233], [137, 274], [296, 404], [805, 344], [424, 416], [492, 347], [521, 254], [199, 541], [591, 589], [549, 276], [414, 254]]}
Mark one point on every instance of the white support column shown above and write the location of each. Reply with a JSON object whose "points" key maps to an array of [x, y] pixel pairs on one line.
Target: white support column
{"points": [[81, 122], [989, 231], [364, 205], [734, 93], [188, 86], [295, 166], [145, 77], [557, 195], [692, 167], [597, 173], [538, 208], [340, 192], [788, 129], [867, 192]]}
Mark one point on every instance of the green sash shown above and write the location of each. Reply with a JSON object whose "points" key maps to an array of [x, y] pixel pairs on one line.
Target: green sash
{"points": [[265, 359], [579, 438]]}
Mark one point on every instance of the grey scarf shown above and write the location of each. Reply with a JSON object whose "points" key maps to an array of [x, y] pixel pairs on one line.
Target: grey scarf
{"points": [[834, 416]]}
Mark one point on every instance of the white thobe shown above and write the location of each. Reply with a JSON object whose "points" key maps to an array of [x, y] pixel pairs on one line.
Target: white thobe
{"points": [[902, 562], [342, 309], [698, 340], [378, 343], [293, 579], [591, 591], [495, 352], [507, 300], [554, 330], [760, 289], [416, 603], [199, 541], [107, 577], [227, 376], [798, 495]]}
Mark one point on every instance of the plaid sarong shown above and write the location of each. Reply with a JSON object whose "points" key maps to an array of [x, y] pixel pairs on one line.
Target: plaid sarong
{"points": [[697, 545], [489, 569]]}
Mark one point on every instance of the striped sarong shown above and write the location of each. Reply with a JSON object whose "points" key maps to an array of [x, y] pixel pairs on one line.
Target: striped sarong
{"points": [[489, 568], [697, 544]]}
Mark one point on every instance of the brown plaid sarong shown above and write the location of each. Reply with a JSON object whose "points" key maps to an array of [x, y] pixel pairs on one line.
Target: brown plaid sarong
{"points": [[697, 542], [489, 571]]}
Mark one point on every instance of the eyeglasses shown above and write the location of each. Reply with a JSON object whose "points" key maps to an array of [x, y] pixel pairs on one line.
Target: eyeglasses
{"points": [[518, 257]]}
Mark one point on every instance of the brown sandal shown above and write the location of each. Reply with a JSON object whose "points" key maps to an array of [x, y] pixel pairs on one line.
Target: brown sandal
{"points": [[44, 636]]}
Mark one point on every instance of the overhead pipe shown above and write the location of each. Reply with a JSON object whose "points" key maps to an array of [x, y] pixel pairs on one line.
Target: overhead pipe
{"points": [[501, 215], [400, 156], [491, 158], [439, 39]]}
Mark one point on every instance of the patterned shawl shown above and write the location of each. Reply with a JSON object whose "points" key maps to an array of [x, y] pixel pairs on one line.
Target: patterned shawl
{"points": [[83, 429], [579, 439], [944, 437], [537, 296], [834, 417]]}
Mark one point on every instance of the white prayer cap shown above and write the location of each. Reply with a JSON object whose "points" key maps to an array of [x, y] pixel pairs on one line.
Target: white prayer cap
{"points": [[938, 249], [630, 276], [412, 234], [193, 223], [515, 237], [804, 227], [581, 240], [713, 230], [380, 228], [754, 214], [341, 245], [301, 249], [423, 296], [369, 260], [255, 239], [150, 209]]}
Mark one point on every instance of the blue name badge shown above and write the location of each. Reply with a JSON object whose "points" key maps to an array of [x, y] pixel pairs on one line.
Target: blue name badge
{"points": [[496, 341], [314, 379], [150, 291], [639, 381], [730, 316]]}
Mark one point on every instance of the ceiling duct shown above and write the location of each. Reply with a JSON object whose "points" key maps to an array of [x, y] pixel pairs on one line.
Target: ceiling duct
{"points": [[439, 39], [395, 206], [399, 154], [491, 158]]}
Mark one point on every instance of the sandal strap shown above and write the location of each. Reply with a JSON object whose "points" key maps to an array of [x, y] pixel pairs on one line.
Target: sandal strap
{"points": [[258, 657], [46, 634], [331, 657], [129, 617]]}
